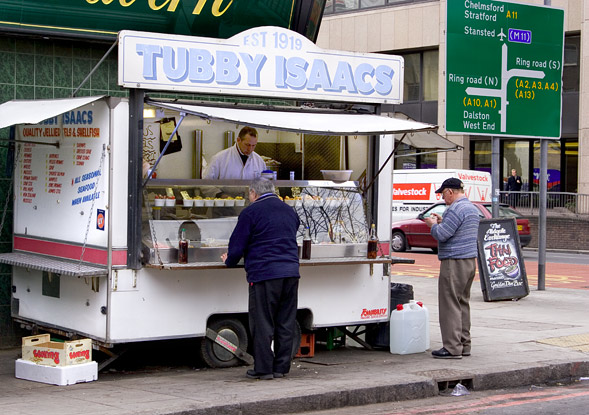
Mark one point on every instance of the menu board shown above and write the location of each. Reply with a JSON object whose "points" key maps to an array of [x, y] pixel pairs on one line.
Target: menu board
{"points": [[501, 264], [61, 175]]}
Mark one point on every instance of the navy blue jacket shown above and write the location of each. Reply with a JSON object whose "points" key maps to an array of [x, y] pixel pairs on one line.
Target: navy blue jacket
{"points": [[265, 236]]}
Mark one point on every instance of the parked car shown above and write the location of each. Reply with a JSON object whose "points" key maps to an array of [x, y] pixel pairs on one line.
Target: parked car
{"points": [[415, 232]]}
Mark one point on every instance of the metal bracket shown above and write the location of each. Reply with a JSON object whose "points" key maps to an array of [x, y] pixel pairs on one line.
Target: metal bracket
{"points": [[355, 335], [226, 344]]}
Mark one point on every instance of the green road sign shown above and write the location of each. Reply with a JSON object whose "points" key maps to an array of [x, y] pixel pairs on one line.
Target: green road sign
{"points": [[504, 69]]}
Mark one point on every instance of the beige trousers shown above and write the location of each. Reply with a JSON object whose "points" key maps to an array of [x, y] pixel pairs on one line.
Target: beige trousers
{"points": [[456, 276]]}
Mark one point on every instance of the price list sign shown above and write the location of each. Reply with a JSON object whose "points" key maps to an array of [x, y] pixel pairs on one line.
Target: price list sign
{"points": [[504, 69]]}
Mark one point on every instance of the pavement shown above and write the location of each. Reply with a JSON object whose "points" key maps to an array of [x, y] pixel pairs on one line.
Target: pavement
{"points": [[542, 338]]}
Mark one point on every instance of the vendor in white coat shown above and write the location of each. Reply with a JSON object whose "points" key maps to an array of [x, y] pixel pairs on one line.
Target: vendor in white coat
{"points": [[239, 161]]}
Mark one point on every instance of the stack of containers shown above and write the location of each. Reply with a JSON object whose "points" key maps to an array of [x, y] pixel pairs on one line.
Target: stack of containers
{"points": [[56, 363]]}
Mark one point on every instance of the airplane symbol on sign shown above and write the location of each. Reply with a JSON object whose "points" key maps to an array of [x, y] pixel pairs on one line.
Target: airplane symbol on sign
{"points": [[501, 35]]}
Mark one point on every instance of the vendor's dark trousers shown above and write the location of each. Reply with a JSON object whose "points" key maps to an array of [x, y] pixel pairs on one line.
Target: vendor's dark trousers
{"points": [[272, 315], [456, 276]]}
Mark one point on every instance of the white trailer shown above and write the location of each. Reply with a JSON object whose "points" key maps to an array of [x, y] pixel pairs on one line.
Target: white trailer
{"points": [[94, 257]]}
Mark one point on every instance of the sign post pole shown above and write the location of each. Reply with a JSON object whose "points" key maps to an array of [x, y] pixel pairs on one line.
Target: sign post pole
{"points": [[495, 176], [542, 216]]}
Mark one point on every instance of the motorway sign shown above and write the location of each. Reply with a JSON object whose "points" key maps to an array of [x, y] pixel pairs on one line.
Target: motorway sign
{"points": [[504, 69]]}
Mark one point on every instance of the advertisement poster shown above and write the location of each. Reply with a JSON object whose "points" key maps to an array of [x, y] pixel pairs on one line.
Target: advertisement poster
{"points": [[501, 265]]}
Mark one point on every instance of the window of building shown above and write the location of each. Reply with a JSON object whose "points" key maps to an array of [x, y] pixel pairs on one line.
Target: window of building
{"points": [[554, 167], [480, 155], [570, 71], [570, 163], [414, 160], [412, 77], [516, 155], [342, 6], [421, 76], [371, 3], [430, 75]]}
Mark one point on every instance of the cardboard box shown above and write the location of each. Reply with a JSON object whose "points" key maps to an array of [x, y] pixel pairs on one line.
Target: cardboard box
{"points": [[61, 376], [41, 350]]}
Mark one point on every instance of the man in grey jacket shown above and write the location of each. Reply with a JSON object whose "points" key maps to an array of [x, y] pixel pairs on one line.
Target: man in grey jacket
{"points": [[456, 234]]}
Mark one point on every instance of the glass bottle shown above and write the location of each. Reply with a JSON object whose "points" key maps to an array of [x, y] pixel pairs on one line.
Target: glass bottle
{"points": [[183, 248], [372, 243], [338, 232], [307, 244]]}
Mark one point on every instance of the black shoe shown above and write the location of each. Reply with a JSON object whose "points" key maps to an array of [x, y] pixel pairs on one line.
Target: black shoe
{"points": [[252, 374], [445, 354], [278, 375]]}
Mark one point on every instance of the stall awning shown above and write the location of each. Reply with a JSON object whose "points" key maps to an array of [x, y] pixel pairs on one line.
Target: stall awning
{"points": [[426, 139], [34, 111], [303, 122]]}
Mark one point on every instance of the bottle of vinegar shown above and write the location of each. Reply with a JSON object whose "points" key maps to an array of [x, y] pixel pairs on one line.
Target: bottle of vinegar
{"points": [[307, 244], [183, 249], [372, 243]]}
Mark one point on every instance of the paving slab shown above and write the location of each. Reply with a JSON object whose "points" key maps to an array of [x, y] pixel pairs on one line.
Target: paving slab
{"points": [[535, 340]]}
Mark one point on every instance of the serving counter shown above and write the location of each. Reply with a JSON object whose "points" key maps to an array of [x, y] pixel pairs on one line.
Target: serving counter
{"points": [[333, 212]]}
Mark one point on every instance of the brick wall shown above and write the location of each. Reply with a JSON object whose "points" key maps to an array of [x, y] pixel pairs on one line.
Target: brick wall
{"points": [[570, 233]]}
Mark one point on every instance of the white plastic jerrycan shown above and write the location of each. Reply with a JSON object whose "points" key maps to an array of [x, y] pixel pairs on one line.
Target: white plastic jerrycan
{"points": [[409, 327]]}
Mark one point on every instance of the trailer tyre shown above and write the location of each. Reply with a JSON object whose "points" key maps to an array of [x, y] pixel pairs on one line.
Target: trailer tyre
{"points": [[215, 355], [399, 242]]}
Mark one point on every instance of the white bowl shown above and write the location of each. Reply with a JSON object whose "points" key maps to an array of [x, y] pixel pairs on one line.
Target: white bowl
{"points": [[239, 202], [170, 202], [337, 175], [187, 202], [230, 202], [209, 202], [159, 202], [199, 202], [219, 202]]}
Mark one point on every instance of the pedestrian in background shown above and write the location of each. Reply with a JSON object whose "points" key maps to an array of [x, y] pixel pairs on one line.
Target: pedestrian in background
{"points": [[456, 234], [514, 184], [266, 236]]}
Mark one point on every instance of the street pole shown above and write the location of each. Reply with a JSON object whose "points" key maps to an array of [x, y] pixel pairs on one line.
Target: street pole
{"points": [[495, 182], [542, 201], [542, 217]]}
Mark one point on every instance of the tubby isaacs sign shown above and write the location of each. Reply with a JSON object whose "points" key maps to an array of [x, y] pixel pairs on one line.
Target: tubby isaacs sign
{"points": [[265, 61], [504, 69], [211, 18]]}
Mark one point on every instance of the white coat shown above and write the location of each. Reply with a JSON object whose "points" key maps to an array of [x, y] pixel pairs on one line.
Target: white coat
{"points": [[227, 164]]}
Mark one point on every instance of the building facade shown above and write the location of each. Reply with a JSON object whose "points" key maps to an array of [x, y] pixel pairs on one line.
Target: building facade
{"points": [[416, 30]]}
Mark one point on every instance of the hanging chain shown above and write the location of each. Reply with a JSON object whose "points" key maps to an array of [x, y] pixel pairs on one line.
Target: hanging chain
{"points": [[102, 157], [9, 192]]}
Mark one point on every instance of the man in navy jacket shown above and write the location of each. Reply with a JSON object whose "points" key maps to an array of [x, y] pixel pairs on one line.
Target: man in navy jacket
{"points": [[266, 237]]}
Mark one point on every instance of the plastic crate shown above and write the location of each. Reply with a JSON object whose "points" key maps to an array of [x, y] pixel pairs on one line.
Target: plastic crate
{"points": [[307, 347]]}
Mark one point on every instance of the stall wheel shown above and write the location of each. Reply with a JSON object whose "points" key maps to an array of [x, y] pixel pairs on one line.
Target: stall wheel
{"points": [[215, 355]]}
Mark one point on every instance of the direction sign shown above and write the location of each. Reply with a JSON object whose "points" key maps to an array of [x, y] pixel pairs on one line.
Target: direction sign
{"points": [[504, 69]]}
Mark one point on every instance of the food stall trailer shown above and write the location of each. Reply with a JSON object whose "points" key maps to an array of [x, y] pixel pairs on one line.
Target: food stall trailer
{"points": [[95, 239]]}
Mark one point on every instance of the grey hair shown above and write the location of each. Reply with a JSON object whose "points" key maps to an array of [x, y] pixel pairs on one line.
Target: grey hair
{"points": [[261, 186]]}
